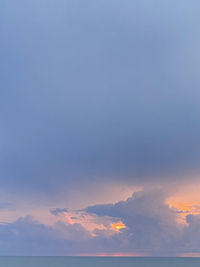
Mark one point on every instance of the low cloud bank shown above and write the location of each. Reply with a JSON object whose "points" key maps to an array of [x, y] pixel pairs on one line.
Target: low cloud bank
{"points": [[151, 228]]}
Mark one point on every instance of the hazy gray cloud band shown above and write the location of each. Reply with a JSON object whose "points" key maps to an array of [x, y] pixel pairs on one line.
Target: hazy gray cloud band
{"points": [[98, 89]]}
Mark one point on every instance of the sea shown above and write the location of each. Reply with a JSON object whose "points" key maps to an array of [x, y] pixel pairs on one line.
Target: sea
{"points": [[98, 262]]}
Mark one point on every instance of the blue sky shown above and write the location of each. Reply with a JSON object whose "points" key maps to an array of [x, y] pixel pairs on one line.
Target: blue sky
{"points": [[99, 100]]}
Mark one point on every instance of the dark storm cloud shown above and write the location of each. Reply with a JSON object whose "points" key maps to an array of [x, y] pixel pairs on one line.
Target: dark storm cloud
{"points": [[97, 89]]}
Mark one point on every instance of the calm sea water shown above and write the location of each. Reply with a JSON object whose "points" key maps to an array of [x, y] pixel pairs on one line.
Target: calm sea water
{"points": [[97, 262]]}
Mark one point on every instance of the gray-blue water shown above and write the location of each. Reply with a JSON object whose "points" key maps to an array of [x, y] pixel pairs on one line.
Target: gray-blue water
{"points": [[97, 262]]}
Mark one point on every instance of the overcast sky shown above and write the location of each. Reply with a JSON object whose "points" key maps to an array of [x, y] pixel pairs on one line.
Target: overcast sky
{"points": [[99, 100]]}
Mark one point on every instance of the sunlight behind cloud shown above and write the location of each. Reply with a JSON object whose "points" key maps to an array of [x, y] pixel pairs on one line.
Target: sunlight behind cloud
{"points": [[118, 226], [94, 224]]}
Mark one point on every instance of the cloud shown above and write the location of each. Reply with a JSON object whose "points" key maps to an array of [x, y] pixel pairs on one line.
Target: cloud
{"points": [[151, 224], [26, 236], [92, 223], [97, 100], [57, 211], [151, 228], [191, 240]]}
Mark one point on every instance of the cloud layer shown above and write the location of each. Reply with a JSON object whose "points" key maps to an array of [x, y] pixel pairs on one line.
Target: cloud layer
{"points": [[98, 90], [151, 228], [98, 93]]}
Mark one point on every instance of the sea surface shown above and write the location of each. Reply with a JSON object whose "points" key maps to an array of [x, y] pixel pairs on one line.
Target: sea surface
{"points": [[97, 262]]}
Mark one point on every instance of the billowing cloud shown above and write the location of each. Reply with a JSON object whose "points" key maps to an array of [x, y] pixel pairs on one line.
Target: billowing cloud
{"points": [[94, 224], [27, 236], [148, 227], [151, 224]]}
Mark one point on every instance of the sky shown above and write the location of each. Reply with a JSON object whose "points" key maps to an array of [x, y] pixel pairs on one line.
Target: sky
{"points": [[99, 119]]}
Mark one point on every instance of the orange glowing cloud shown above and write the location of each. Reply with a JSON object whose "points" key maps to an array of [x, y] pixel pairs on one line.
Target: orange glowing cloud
{"points": [[88, 221], [184, 208], [92, 222], [191, 207], [185, 200], [118, 226]]}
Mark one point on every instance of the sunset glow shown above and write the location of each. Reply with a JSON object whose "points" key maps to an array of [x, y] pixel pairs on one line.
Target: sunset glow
{"points": [[185, 208], [118, 226], [93, 223], [115, 254]]}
